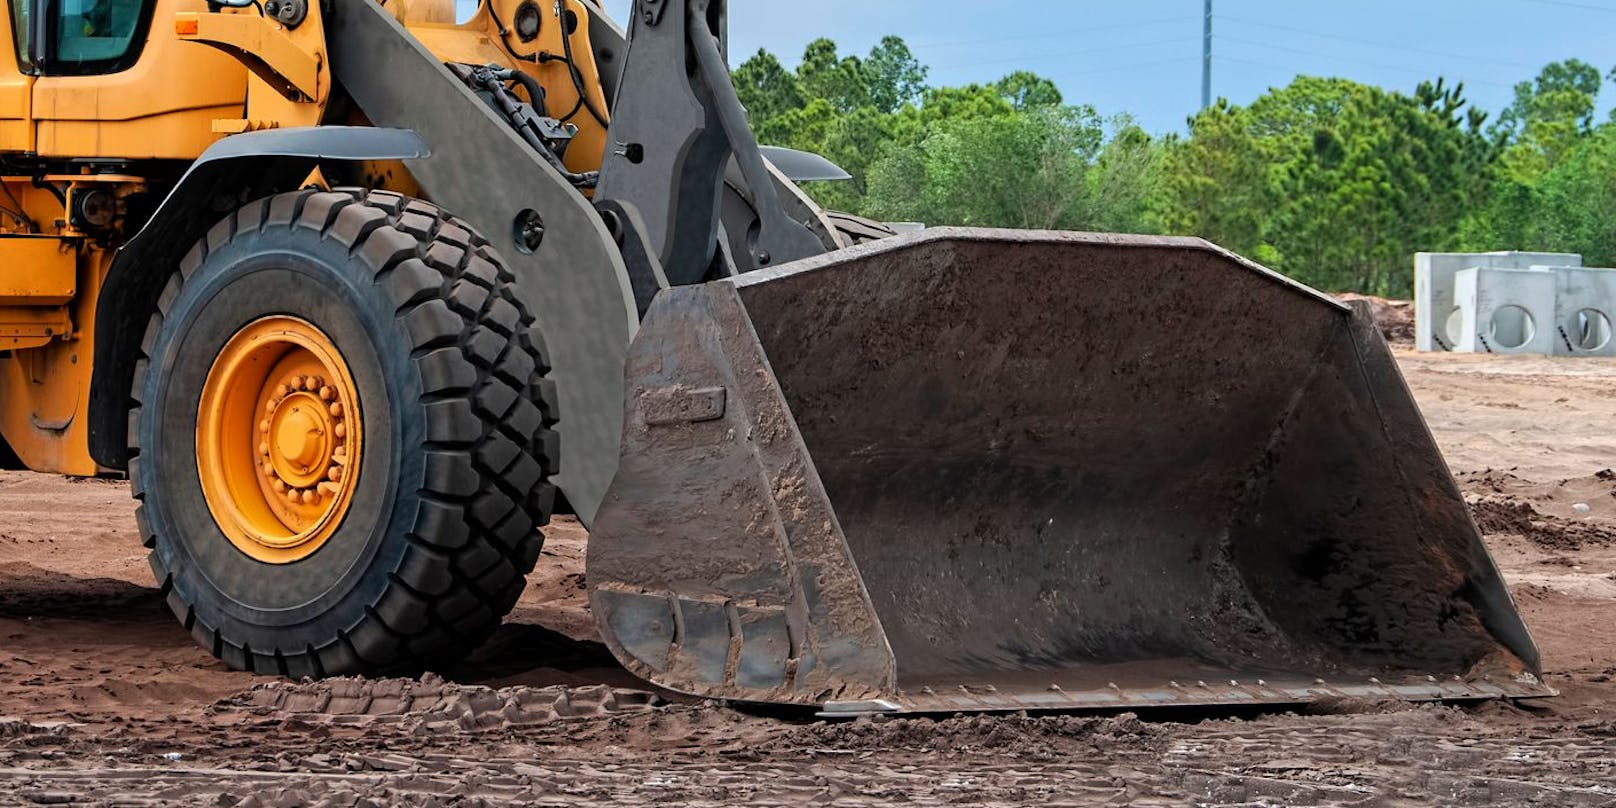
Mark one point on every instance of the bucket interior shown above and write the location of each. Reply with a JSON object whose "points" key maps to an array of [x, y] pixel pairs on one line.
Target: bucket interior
{"points": [[1078, 461]]}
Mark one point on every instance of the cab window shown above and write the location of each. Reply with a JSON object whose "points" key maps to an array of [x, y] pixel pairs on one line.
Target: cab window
{"points": [[22, 33], [95, 36]]}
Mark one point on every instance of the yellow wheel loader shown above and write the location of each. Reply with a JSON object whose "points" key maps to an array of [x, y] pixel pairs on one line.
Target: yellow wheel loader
{"points": [[351, 291]]}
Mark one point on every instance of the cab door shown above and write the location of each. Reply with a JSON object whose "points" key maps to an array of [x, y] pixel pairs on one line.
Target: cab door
{"points": [[16, 80], [113, 81]]}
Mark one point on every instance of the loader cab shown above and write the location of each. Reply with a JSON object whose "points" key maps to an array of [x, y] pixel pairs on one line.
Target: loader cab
{"points": [[79, 37], [91, 79], [100, 101]]}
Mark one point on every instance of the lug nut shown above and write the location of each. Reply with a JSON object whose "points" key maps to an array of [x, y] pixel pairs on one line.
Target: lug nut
{"points": [[336, 409], [327, 394]]}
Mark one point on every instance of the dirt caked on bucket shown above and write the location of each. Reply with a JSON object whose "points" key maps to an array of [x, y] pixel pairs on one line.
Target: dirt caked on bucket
{"points": [[995, 470]]}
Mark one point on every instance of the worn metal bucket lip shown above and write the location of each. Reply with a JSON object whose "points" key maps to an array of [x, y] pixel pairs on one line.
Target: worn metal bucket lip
{"points": [[990, 234], [970, 697]]}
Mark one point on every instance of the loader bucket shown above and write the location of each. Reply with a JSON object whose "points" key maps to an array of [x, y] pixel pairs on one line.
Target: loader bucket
{"points": [[1000, 470]]}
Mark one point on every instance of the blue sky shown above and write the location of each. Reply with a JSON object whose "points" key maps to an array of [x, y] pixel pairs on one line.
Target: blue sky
{"points": [[1143, 56]]}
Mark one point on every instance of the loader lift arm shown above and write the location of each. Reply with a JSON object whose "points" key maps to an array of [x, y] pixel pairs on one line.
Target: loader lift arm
{"points": [[597, 267], [674, 134]]}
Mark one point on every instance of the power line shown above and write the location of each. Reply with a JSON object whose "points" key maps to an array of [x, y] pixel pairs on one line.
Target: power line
{"points": [[1255, 63], [1398, 68], [1569, 4], [1120, 68], [1027, 59], [1053, 34], [1373, 44]]}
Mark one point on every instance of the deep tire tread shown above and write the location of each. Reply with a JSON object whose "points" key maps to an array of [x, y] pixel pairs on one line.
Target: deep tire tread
{"points": [[488, 409]]}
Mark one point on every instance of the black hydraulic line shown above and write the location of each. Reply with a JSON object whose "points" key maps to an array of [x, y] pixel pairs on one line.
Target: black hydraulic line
{"points": [[17, 212], [505, 39], [577, 77], [535, 90], [521, 117], [61, 196]]}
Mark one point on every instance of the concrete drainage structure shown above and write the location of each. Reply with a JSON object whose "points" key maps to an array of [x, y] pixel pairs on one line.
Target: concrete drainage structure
{"points": [[1585, 302], [1513, 303]]}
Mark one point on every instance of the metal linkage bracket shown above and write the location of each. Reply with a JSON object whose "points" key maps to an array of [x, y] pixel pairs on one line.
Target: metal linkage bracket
{"points": [[673, 137]]}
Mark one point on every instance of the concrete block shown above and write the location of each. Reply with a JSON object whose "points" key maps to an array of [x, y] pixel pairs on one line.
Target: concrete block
{"points": [[1585, 303], [1505, 311], [1436, 321]]}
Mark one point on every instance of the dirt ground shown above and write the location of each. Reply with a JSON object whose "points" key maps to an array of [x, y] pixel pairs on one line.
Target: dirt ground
{"points": [[104, 700]]}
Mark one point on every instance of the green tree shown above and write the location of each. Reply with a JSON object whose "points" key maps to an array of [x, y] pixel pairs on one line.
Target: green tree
{"points": [[1327, 180], [1024, 170], [1569, 208], [1547, 181], [893, 74], [766, 88], [1558, 91], [940, 104], [1124, 179], [1577, 201], [1027, 90], [1547, 119], [840, 80], [1215, 183]]}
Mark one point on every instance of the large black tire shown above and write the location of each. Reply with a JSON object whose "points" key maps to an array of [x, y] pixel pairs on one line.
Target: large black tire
{"points": [[457, 457]]}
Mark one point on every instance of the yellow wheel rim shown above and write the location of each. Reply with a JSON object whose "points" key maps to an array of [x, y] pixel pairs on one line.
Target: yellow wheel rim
{"points": [[278, 439]]}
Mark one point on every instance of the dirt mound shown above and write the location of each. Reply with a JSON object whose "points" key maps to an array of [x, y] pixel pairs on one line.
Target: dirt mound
{"points": [[1492, 481], [1513, 517], [431, 702], [12, 728], [1346, 705], [1394, 318], [1040, 738], [1505, 516]]}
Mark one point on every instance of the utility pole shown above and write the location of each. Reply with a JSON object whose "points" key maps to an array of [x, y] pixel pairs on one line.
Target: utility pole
{"points": [[1206, 58]]}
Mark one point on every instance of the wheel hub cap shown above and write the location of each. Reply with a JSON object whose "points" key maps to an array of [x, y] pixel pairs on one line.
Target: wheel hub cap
{"points": [[300, 437], [278, 439]]}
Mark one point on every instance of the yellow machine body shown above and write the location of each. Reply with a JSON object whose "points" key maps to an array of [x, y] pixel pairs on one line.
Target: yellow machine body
{"points": [[194, 78]]}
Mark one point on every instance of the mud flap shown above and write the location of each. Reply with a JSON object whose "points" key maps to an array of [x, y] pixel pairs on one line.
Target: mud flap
{"points": [[990, 470]]}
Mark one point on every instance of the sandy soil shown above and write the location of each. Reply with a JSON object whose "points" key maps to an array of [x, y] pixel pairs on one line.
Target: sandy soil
{"points": [[103, 700]]}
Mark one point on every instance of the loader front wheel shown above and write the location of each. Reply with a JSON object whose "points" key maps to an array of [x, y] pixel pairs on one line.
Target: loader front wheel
{"points": [[342, 442]]}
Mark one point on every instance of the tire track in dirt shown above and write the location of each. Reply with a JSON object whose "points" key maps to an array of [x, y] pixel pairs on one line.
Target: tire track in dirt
{"points": [[103, 700]]}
